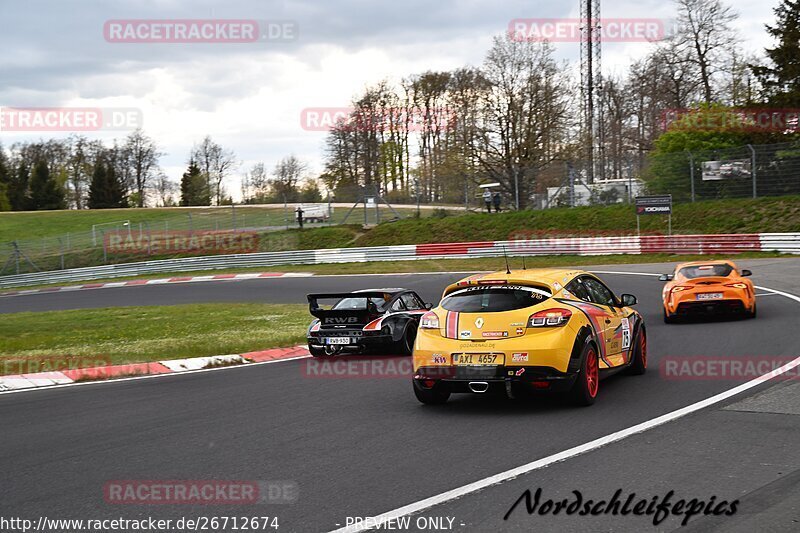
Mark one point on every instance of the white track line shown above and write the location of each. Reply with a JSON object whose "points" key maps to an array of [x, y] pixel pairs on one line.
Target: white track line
{"points": [[481, 484], [151, 376]]}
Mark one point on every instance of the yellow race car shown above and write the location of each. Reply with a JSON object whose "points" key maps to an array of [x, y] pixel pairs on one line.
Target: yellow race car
{"points": [[527, 331]]}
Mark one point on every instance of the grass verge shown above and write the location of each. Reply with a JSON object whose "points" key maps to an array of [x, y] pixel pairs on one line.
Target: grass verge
{"points": [[124, 335]]}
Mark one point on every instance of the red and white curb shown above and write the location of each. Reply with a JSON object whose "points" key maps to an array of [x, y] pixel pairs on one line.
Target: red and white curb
{"points": [[160, 281], [48, 379]]}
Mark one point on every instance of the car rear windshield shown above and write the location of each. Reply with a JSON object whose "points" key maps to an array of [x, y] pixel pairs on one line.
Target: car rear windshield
{"points": [[705, 271], [359, 303], [493, 299]]}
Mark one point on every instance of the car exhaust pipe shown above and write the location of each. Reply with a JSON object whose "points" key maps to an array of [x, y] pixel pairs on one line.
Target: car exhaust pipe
{"points": [[478, 386]]}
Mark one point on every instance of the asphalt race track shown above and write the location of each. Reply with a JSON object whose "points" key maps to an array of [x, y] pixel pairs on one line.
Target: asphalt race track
{"points": [[360, 447]]}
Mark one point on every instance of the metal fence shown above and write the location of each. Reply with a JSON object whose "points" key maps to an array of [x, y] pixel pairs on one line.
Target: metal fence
{"points": [[91, 246], [750, 171], [676, 244]]}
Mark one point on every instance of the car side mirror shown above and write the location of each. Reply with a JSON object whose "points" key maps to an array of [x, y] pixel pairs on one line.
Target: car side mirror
{"points": [[628, 300], [429, 306], [746, 272], [665, 277]]}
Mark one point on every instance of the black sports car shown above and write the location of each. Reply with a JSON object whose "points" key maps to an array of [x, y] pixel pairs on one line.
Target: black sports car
{"points": [[372, 320]]}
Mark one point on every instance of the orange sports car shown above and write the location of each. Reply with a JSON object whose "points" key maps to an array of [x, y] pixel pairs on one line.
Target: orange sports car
{"points": [[708, 287]]}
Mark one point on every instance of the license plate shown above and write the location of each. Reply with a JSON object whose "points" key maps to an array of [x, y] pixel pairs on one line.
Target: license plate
{"points": [[478, 359], [338, 340], [710, 296]]}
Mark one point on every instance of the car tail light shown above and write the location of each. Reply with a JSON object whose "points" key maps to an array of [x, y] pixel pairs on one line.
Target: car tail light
{"points": [[373, 325], [429, 321], [549, 317], [737, 285], [315, 326], [679, 288]]}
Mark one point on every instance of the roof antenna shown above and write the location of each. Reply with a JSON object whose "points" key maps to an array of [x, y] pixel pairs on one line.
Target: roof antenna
{"points": [[508, 270], [523, 263]]}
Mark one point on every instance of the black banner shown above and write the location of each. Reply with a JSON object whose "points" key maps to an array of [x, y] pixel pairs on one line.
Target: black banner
{"points": [[654, 205]]}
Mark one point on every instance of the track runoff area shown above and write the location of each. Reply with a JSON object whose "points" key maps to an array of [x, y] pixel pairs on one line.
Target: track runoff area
{"points": [[286, 445]]}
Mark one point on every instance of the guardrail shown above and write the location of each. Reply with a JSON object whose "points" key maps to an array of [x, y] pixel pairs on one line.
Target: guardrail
{"points": [[675, 244]]}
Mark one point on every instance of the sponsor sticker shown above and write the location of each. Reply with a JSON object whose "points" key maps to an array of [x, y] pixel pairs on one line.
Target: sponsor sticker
{"points": [[495, 334], [519, 357], [464, 334], [626, 334], [520, 331]]}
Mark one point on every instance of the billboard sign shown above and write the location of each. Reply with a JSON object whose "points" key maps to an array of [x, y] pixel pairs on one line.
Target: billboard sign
{"points": [[726, 169], [654, 205]]}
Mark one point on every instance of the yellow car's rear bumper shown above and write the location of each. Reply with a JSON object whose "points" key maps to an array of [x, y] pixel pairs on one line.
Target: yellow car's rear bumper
{"points": [[545, 347]]}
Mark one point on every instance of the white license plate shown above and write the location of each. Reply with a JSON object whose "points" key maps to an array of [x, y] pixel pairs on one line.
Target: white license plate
{"points": [[478, 359], [710, 296], [338, 340]]}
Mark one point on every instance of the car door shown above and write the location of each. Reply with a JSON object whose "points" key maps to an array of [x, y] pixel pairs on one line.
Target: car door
{"points": [[616, 329]]}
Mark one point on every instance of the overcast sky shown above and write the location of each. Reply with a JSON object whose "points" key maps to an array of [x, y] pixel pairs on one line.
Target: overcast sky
{"points": [[249, 96]]}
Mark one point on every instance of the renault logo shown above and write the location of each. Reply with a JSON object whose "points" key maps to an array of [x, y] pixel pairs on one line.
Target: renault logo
{"points": [[479, 323]]}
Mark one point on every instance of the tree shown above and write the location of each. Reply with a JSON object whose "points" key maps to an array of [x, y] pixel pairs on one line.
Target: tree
{"points": [[310, 192], [105, 190], [117, 195], [215, 163], [142, 160], [165, 190], [78, 168], [18, 187], [525, 114], [98, 188], [255, 186], [5, 181], [45, 192], [705, 34], [5, 205], [288, 173], [194, 188], [118, 157], [781, 79]]}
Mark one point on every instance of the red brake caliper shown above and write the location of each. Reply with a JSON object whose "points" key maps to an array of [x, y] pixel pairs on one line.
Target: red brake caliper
{"points": [[592, 372]]}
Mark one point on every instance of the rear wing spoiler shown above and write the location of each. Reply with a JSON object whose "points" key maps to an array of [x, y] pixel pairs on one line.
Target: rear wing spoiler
{"points": [[474, 284], [343, 316]]}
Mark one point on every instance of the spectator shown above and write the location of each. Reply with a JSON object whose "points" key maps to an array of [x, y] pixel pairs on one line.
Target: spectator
{"points": [[299, 212], [487, 199], [497, 199]]}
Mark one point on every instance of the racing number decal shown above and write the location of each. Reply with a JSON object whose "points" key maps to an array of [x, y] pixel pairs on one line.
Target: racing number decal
{"points": [[626, 334]]}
